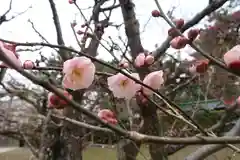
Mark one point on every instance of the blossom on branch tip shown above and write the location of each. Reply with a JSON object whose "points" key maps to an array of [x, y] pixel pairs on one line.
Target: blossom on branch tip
{"points": [[139, 60], [28, 64], [78, 73], [232, 58], [142, 59], [122, 86], [156, 13], [199, 66], [154, 80], [108, 116], [179, 23], [202, 66], [149, 59], [179, 42], [71, 1], [56, 102], [10, 52], [193, 33]]}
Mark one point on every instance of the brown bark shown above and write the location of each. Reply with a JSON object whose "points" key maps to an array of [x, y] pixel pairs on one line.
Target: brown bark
{"points": [[152, 126], [71, 136]]}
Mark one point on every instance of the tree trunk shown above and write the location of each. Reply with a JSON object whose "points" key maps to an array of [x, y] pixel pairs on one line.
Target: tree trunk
{"points": [[127, 150], [152, 126], [71, 136]]}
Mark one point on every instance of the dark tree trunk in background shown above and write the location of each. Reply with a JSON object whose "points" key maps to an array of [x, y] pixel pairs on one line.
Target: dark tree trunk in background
{"points": [[21, 143], [127, 150], [152, 126], [71, 136]]}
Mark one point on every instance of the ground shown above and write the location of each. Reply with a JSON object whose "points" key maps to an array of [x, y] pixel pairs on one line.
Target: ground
{"points": [[96, 153]]}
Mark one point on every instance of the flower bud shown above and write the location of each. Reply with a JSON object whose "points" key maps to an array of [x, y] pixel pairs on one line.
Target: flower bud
{"points": [[179, 23], [179, 42], [28, 64], [156, 13]]}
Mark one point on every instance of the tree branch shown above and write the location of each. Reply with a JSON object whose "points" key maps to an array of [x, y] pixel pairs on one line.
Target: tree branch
{"points": [[207, 150], [196, 19], [56, 21], [131, 27]]}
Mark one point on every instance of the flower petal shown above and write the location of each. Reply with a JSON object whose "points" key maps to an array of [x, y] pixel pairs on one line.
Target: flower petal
{"points": [[232, 55], [154, 80], [119, 91], [10, 55], [140, 59]]}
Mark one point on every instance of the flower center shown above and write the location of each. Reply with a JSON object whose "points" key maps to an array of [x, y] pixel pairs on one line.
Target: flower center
{"points": [[124, 83], [77, 73]]}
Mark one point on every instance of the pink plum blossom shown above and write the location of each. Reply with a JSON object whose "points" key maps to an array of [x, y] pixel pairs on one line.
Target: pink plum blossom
{"points": [[149, 59], [122, 86], [107, 116], [28, 64], [232, 58], [10, 54], [79, 73], [179, 42], [179, 23], [154, 80], [140, 60]]}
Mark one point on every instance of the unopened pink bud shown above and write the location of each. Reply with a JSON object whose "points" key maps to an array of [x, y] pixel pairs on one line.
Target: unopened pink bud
{"points": [[193, 33], [140, 60], [179, 42], [28, 64], [149, 59], [179, 23], [156, 13], [71, 1], [125, 65]]}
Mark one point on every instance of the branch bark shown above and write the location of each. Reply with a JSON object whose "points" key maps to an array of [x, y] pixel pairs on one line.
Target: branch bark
{"points": [[64, 55], [196, 19], [131, 27], [128, 150], [207, 150]]}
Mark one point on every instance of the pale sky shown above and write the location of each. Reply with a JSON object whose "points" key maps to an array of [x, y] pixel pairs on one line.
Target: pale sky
{"points": [[40, 14]]}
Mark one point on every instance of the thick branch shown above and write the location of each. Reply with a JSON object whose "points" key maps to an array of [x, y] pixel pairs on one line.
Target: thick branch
{"points": [[207, 150], [56, 21], [131, 27]]}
